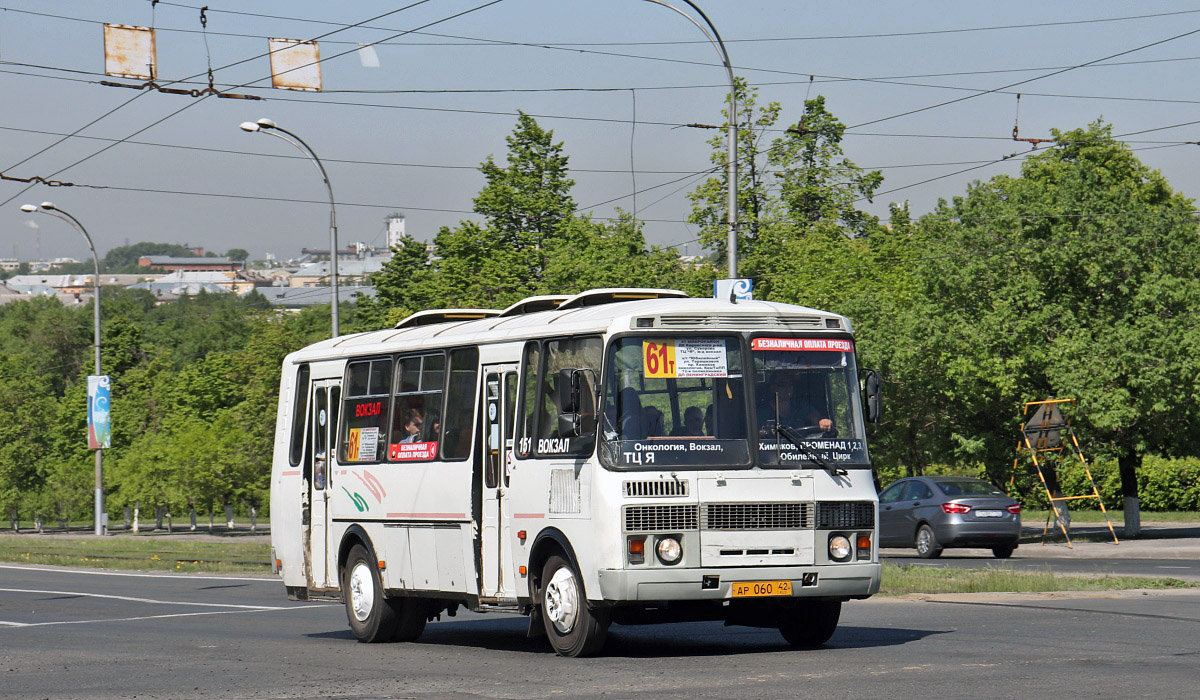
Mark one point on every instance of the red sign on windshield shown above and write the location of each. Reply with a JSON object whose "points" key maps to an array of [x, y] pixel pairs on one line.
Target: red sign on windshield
{"points": [[802, 344]]}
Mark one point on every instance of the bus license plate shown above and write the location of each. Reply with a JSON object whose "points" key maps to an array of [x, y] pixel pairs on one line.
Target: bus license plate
{"points": [[757, 589]]}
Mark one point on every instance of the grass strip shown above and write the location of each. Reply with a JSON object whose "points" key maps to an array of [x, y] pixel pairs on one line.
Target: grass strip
{"points": [[1038, 517], [139, 553], [901, 579]]}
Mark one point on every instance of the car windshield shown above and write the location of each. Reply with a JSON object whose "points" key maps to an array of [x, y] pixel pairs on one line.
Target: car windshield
{"points": [[806, 403], [674, 401], [968, 487]]}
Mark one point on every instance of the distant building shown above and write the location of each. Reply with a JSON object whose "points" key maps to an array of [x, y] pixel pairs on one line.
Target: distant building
{"points": [[190, 283], [297, 298], [395, 230], [171, 264], [9, 264], [349, 272]]}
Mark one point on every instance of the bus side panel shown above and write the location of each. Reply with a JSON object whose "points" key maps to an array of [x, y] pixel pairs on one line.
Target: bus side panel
{"points": [[287, 487]]}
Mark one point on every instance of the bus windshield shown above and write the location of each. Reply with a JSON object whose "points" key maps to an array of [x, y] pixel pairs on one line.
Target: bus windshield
{"points": [[674, 401], [806, 403]]}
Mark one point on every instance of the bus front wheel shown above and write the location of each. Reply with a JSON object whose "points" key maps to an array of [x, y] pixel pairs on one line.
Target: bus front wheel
{"points": [[811, 624], [573, 628], [372, 619]]}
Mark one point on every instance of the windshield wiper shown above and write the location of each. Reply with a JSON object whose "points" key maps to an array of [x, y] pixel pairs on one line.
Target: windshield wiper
{"points": [[795, 438]]}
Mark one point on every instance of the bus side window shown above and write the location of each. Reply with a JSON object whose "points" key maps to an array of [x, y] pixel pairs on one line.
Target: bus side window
{"points": [[364, 428], [564, 358], [460, 403], [299, 410], [531, 362]]}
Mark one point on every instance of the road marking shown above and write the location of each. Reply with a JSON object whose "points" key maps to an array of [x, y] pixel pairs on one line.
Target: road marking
{"points": [[178, 577], [155, 617], [139, 600], [1172, 567]]}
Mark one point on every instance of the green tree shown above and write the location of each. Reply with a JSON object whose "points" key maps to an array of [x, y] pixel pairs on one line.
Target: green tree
{"points": [[1076, 279], [527, 201], [591, 255], [238, 254], [756, 204]]}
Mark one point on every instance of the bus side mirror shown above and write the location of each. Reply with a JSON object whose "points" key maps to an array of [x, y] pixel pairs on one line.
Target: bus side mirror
{"points": [[873, 395], [573, 402]]}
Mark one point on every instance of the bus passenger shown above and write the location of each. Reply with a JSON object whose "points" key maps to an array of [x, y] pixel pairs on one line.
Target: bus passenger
{"points": [[693, 423], [654, 422], [412, 426]]}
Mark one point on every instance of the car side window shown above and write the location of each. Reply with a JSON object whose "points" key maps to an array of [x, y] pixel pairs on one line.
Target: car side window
{"points": [[920, 491], [892, 493]]}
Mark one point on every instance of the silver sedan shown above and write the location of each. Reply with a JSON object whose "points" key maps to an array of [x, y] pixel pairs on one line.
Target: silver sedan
{"points": [[931, 513]]}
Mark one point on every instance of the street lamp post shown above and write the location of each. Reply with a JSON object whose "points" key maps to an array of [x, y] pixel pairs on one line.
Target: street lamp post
{"points": [[710, 32], [49, 208], [266, 126]]}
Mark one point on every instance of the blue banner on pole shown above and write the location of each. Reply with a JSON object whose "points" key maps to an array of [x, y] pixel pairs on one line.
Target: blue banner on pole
{"points": [[98, 413]]}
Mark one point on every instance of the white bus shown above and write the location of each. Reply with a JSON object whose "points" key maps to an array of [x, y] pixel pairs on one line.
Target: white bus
{"points": [[619, 456]]}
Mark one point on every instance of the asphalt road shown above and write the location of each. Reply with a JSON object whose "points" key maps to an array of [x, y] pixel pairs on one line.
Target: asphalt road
{"points": [[91, 634]]}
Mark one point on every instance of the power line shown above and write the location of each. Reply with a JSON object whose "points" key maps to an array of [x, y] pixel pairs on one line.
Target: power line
{"points": [[756, 40], [1027, 80], [202, 98]]}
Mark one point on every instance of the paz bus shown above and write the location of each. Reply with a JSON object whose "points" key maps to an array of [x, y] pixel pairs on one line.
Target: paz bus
{"points": [[621, 456]]}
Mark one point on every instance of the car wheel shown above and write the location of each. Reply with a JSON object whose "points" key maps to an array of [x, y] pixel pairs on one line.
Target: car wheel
{"points": [[926, 543], [371, 617], [573, 629], [410, 618], [811, 623], [1002, 552]]}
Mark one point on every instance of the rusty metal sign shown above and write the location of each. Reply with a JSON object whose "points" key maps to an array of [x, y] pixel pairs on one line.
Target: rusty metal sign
{"points": [[295, 64], [129, 52]]}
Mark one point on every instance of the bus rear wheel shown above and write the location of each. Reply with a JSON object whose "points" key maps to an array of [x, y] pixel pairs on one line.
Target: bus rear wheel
{"points": [[573, 628], [371, 617], [411, 614], [811, 623]]}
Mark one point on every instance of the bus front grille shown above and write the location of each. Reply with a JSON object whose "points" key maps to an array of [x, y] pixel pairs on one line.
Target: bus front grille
{"points": [[673, 518], [656, 488], [850, 514], [757, 516]]}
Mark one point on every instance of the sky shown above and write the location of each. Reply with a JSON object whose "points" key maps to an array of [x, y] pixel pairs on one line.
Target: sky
{"points": [[615, 80]]}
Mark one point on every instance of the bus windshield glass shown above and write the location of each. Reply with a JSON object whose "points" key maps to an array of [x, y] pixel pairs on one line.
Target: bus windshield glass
{"points": [[674, 401], [806, 403]]}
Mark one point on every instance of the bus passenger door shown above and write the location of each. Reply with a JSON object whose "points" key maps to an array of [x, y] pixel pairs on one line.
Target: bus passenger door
{"points": [[321, 470], [499, 398]]}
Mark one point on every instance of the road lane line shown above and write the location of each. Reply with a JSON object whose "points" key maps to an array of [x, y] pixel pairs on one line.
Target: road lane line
{"points": [[157, 617], [178, 577], [137, 600]]}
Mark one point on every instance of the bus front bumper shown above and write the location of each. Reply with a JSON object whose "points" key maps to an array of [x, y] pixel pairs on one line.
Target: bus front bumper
{"points": [[835, 580]]}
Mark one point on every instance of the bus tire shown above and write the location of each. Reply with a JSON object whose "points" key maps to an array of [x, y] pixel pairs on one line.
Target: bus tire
{"points": [[410, 616], [573, 628], [371, 618], [811, 623]]}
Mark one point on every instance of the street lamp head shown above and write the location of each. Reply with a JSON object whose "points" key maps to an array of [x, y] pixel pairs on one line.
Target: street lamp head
{"points": [[49, 206], [249, 126], [28, 208], [266, 123]]}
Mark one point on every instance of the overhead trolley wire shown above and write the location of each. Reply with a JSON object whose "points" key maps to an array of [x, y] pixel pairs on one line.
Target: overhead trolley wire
{"points": [[1027, 80], [884, 35], [204, 97]]}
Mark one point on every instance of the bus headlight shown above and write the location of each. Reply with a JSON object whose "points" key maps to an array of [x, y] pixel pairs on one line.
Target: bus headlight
{"points": [[839, 548], [669, 550]]}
